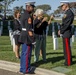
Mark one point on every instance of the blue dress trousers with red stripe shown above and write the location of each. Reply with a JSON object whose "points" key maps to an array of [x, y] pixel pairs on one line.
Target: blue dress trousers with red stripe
{"points": [[26, 40], [25, 58], [67, 34]]}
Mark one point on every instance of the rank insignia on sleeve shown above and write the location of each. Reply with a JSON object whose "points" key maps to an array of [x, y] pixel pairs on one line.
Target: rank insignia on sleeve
{"points": [[29, 21]]}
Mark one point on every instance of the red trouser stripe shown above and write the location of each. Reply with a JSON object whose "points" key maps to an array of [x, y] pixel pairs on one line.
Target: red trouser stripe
{"points": [[67, 51], [27, 60]]}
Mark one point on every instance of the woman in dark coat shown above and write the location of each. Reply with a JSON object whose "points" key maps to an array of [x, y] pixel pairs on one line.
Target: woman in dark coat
{"points": [[16, 33]]}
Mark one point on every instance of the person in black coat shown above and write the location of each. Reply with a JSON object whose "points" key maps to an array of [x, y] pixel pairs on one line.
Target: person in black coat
{"points": [[66, 32], [16, 33]]}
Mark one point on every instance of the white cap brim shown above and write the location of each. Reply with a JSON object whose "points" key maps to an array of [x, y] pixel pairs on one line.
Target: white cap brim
{"points": [[30, 3], [63, 2]]}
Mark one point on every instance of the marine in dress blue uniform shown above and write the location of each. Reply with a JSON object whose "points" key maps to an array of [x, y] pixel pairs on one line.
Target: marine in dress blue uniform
{"points": [[66, 31], [26, 38]]}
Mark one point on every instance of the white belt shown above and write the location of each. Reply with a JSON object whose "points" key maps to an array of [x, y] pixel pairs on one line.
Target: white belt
{"points": [[24, 29]]}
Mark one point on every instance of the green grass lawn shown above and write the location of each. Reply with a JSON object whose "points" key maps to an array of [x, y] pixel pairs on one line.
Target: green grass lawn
{"points": [[55, 58]]}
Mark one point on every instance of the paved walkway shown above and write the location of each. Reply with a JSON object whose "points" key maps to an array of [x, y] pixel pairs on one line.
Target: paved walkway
{"points": [[13, 68], [5, 72]]}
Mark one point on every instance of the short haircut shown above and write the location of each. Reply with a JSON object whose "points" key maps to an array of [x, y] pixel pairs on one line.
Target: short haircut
{"points": [[68, 4], [39, 11]]}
